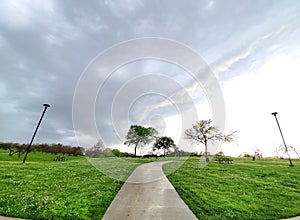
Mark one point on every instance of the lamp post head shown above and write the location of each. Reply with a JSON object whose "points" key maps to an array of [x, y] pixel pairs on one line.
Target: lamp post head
{"points": [[274, 113], [46, 105]]}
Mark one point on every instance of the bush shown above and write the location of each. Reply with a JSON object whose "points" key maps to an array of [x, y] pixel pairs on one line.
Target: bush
{"points": [[150, 156], [60, 158], [220, 153], [194, 154], [117, 152]]}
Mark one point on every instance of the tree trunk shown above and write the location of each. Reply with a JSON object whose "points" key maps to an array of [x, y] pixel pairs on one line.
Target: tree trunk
{"points": [[135, 150], [206, 156]]}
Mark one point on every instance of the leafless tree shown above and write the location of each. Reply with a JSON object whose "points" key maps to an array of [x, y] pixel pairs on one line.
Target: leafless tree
{"points": [[203, 132]]}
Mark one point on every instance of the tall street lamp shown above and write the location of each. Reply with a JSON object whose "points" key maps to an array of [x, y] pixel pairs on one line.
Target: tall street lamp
{"points": [[37, 127], [275, 115]]}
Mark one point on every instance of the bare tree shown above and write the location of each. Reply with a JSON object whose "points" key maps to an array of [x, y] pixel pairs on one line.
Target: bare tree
{"points": [[203, 132], [282, 153], [97, 150], [257, 153], [295, 150]]}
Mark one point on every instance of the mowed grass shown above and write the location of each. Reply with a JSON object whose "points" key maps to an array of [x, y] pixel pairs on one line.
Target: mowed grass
{"points": [[72, 189], [246, 189]]}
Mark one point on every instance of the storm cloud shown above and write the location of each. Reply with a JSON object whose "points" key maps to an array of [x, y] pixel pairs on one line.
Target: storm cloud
{"points": [[46, 47]]}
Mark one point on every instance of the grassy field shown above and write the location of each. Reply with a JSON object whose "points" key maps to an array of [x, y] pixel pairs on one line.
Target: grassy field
{"points": [[75, 189], [72, 189], [246, 189]]}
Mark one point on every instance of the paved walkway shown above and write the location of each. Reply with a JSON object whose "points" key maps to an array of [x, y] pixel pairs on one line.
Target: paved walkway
{"points": [[148, 194]]}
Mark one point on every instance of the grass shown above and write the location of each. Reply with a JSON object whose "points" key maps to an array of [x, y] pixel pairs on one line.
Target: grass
{"points": [[75, 189], [72, 189], [246, 189]]}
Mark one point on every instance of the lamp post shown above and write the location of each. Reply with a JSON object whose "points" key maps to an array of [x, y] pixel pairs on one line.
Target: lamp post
{"points": [[37, 127], [275, 115]]}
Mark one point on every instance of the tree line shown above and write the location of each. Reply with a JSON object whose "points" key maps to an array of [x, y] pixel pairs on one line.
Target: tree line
{"points": [[138, 136], [17, 148], [202, 132]]}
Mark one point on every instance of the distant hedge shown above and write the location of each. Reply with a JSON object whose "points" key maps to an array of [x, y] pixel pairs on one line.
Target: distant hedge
{"points": [[46, 148]]}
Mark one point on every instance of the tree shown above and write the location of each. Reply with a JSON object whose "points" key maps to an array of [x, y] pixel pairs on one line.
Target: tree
{"points": [[220, 153], [117, 152], [282, 153], [139, 135], [295, 150], [257, 153], [203, 132], [164, 143], [17, 148], [99, 146], [176, 151], [97, 150]]}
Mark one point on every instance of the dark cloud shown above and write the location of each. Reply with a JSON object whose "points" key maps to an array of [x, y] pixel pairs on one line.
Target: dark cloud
{"points": [[45, 47]]}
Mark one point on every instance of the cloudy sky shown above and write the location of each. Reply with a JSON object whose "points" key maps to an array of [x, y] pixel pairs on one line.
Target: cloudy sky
{"points": [[51, 52]]}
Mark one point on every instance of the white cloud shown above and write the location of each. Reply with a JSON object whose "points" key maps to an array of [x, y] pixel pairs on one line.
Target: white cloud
{"points": [[210, 5], [243, 54], [21, 14], [250, 100], [123, 7]]}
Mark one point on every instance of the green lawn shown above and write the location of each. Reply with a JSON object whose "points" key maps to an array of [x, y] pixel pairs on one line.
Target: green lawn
{"points": [[75, 189], [72, 189], [246, 189]]}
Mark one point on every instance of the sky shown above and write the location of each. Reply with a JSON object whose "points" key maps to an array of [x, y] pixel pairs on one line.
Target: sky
{"points": [[104, 65]]}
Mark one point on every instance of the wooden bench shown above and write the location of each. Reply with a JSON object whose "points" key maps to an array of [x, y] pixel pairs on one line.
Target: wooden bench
{"points": [[227, 160]]}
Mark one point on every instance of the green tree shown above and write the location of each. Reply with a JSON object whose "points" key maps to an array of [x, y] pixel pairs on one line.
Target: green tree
{"points": [[138, 136], [164, 143], [117, 152], [203, 132]]}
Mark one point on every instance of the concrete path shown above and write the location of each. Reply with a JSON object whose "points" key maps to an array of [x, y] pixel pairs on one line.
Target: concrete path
{"points": [[148, 194]]}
